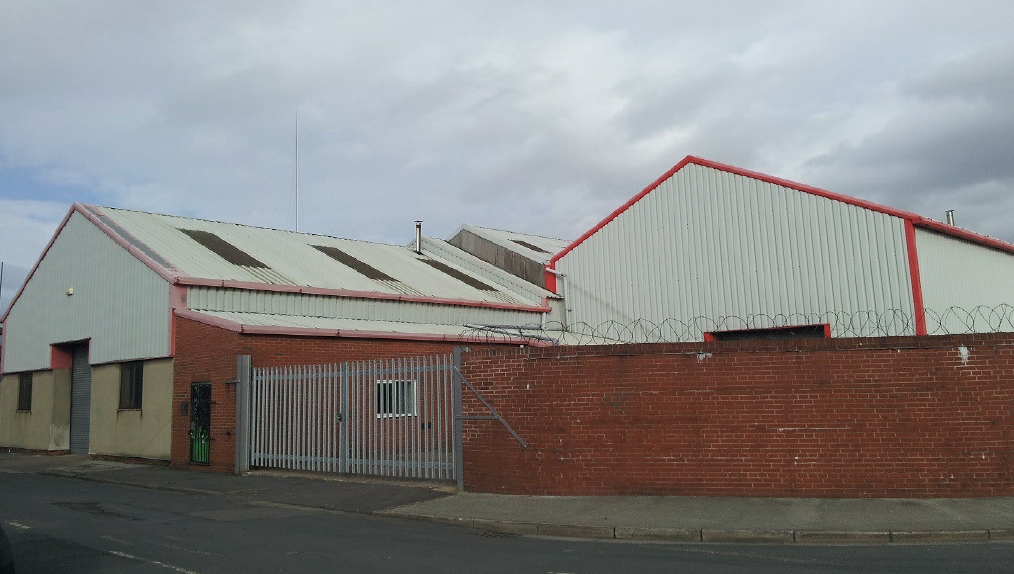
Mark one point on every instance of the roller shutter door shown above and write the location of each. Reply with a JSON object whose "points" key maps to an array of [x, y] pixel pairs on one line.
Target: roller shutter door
{"points": [[80, 400]]}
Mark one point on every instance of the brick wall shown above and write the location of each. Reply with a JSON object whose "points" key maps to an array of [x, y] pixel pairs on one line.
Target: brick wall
{"points": [[907, 417], [206, 353]]}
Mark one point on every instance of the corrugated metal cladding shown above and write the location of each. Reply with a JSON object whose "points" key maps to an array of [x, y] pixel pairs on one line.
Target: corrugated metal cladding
{"points": [[322, 306], [291, 258], [509, 260], [510, 283], [117, 302], [341, 324], [956, 273], [708, 243], [535, 247], [521, 255]]}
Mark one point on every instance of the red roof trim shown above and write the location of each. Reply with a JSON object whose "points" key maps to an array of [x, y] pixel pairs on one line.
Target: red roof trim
{"points": [[340, 333], [619, 210], [252, 286], [917, 220], [89, 211]]}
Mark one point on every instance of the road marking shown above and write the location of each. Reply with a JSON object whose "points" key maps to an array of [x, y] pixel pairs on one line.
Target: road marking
{"points": [[153, 562], [116, 540], [181, 549], [19, 525]]}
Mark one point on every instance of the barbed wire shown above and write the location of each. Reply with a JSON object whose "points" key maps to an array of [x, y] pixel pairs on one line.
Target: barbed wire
{"points": [[891, 322]]}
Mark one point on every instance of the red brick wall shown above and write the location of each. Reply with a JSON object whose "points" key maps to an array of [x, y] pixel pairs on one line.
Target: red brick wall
{"points": [[208, 354], [887, 417]]}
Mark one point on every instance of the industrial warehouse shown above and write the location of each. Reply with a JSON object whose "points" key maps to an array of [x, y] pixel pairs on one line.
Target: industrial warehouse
{"points": [[123, 341]]}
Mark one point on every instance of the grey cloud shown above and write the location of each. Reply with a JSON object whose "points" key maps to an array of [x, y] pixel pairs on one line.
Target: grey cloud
{"points": [[537, 116]]}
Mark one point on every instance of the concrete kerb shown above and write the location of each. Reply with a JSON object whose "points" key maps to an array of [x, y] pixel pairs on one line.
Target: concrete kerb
{"points": [[624, 532], [675, 535]]}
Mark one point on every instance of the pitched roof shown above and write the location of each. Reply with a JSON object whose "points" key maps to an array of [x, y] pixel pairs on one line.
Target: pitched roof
{"points": [[916, 220], [534, 247], [189, 251]]}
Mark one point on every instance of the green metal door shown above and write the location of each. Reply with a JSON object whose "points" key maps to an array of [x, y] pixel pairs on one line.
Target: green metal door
{"points": [[200, 423]]}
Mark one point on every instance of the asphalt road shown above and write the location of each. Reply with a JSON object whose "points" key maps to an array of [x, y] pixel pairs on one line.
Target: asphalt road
{"points": [[59, 525]]}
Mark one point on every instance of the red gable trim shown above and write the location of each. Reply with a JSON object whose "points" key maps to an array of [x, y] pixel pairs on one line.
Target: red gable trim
{"points": [[90, 212], [914, 219]]}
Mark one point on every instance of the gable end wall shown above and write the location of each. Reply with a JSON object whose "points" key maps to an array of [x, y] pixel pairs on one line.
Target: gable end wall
{"points": [[118, 303], [709, 243]]}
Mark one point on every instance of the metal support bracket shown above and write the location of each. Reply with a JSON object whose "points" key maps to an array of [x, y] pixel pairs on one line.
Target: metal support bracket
{"points": [[496, 416]]}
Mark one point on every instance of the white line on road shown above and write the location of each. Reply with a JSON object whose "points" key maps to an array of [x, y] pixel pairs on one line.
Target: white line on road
{"points": [[19, 525], [153, 562]]}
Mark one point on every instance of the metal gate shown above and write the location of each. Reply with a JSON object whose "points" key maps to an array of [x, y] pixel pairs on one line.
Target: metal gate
{"points": [[392, 417], [200, 423]]}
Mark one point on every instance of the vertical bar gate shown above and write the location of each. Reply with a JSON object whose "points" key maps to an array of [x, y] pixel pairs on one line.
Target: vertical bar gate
{"points": [[390, 417]]}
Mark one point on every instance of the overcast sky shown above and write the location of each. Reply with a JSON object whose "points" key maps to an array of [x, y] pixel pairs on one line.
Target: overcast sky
{"points": [[539, 117]]}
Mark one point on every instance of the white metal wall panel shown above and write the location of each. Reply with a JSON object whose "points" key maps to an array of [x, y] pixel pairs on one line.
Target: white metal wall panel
{"points": [[118, 303], [962, 275], [709, 243], [322, 306]]}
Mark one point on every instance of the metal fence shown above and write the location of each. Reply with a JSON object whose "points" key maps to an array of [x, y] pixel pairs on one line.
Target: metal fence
{"points": [[392, 417], [886, 323]]}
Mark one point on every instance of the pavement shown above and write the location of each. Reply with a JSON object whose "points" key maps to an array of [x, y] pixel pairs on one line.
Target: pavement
{"points": [[643, 518]]}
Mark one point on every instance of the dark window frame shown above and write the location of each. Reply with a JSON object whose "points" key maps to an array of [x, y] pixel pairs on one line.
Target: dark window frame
{"points": [[396, 398], [25, 384], [131, 385]]}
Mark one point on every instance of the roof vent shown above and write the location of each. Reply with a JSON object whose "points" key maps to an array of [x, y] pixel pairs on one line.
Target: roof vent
{"points": [[950, 216]]}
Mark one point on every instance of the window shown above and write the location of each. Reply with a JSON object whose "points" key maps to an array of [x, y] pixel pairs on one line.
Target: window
{"points": [[795, 332], [395, 398], [25, 392], [131, 380]]}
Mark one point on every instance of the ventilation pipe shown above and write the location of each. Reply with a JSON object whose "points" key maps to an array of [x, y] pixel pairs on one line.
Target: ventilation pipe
{"points": [[950, 216], [418, 236]]}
